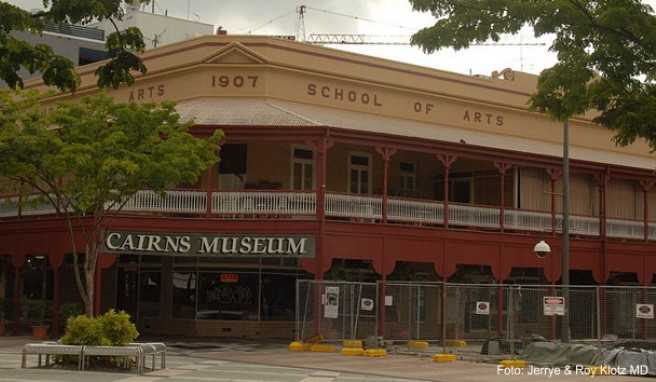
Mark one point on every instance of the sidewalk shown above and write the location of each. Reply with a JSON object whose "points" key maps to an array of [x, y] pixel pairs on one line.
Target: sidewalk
{"points": [[396, 366]]}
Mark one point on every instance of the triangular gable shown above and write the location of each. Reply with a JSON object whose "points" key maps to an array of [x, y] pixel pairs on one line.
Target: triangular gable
{"points": [[235, 53]]}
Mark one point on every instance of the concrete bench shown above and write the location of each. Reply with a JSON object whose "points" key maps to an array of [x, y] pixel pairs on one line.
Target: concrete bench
{"points": [[115, 351], [49, 349], [152, 349]]}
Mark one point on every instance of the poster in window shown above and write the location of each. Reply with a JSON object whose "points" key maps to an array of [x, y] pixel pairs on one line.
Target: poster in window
{"points": [[331, 307]]}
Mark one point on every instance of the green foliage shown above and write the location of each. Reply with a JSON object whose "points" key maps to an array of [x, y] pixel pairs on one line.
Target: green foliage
{"points": [[111, 329], [57, 70], [606, 52], [84, 330], [117, 328], [107, 151], [92, 156]]}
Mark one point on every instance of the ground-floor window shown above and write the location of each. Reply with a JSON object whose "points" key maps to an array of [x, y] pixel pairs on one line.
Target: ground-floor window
{"points": [[189, 288]]}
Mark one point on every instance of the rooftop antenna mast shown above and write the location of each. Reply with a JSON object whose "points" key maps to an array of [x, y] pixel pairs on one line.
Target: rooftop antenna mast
{"points": [[300, 24]]}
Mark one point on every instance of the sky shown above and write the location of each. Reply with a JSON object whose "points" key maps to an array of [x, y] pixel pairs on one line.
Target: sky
{"points": [[392, 17]]}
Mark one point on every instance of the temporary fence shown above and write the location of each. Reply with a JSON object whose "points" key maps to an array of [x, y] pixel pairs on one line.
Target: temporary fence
{"points": [[435, 311], [336, 309]]}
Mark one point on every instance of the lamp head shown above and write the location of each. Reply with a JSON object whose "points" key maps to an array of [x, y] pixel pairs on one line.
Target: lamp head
{"points": [[542, 249]]}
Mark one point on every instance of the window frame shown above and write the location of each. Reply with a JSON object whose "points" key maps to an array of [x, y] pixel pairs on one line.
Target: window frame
{"points": [[351, 166]]}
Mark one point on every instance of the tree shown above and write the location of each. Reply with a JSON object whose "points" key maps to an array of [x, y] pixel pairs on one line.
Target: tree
{"points": [[606, 51], [56, 70], [88, 158]]}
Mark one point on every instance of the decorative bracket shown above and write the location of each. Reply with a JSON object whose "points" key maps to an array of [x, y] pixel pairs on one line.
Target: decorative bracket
{"points": [[647, 184], [555, 173], [446, 159], [386, 152], [502, 167]]}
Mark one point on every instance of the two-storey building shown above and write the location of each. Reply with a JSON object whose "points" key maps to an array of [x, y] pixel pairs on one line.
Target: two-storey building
{"points": [[339, 165]]}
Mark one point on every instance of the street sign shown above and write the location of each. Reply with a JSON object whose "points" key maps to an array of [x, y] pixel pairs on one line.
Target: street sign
{"points": [[483, 307], [554, 305], [645, 311]]}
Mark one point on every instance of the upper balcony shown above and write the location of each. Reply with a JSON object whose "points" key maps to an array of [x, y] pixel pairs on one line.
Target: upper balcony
{"points": [[269, 181]]}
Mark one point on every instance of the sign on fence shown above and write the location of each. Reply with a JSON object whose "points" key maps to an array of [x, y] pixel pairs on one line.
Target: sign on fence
{"points": [[483, 307], [645, 311], [367, 304], [554, 305], [331, 307]]}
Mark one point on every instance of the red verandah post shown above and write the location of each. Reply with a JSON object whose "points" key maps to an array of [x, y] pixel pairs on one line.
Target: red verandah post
{"points": [[554, 175], [502, 167], [320, 148], [447, 160]]}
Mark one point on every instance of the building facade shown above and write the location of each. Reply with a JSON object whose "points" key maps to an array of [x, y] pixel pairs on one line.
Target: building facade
{"points": [[341, 166]]}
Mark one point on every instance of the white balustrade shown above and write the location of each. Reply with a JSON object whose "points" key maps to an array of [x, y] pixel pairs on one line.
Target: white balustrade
{"points": [[32, 205], [264, 203], [583, 225], [486, 217], [627, 229], [413, 211], [527, 220], [180, 202], [9, 207], [354, 206], [652, 231]]}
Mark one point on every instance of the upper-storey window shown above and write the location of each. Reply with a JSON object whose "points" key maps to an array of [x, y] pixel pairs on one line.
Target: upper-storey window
{"points": [[408, 178], [359, 173], [232, 167], [302, 169]]}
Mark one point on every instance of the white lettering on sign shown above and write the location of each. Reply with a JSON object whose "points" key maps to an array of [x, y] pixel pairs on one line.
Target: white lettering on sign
{"points": [[221, 245]]}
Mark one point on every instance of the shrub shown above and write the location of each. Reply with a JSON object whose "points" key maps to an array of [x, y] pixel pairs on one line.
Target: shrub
{"points": [[111, 329], [84, 330], [117, 328]]}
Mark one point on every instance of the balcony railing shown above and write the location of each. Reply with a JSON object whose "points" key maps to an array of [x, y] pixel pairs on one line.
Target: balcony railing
{"points": [[177, 202], [354, 206], [264, 203], [414, 211], [274, 204]]}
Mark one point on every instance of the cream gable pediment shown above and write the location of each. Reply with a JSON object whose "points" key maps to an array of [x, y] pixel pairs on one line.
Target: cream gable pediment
{"points": [[235, 53]]}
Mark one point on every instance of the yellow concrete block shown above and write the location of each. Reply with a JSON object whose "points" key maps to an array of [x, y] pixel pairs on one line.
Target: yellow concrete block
{"points": [[353, 351], [296, 346], [456, 343], [421, 345], [375, 352], [323, 348], [352, 343], [509, 363], [441, 357]]}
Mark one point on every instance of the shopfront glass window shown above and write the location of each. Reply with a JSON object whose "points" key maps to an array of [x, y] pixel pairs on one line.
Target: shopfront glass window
{"points": [[150, 294], [278, 297], [228, 296], [184, 294]]}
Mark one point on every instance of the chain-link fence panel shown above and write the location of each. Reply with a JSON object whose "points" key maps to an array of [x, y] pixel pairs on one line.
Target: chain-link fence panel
{"points": [[525, 307], [336, 310], [619, 311], [413, 311], [474, 311]]}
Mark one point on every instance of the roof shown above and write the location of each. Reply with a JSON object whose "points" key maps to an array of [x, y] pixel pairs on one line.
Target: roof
{"points": [[264, 112]]}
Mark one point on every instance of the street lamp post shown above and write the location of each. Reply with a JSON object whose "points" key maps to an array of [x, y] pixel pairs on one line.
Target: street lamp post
{"points": [[542, 248], [565, 335]]}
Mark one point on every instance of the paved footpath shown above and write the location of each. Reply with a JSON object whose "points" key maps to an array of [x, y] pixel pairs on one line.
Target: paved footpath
{"points": [[253, 363]]}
